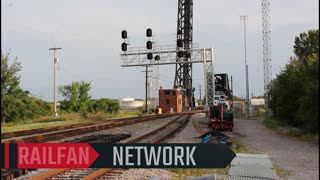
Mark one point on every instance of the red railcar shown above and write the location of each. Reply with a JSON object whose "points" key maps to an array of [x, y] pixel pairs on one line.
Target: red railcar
{"points": [[220, 118]]}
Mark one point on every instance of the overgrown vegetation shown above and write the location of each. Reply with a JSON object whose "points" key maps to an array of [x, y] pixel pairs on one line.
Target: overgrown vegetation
{"points": [[294, 93], [16, 103]]}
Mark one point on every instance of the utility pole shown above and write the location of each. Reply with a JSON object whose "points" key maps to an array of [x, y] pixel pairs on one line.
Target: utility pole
{"points": [[55, 61], [244, 18], [147, 89], [200, 90]]}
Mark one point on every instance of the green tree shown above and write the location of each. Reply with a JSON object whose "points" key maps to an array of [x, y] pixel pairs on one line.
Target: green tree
{"points": [[294, 94], [306, 45], [10, 80], [108, 105], [17, 104], [76, 97]]}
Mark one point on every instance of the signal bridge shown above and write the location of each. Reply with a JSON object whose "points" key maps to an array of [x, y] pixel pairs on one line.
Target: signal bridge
{"points": [[165, 55]]}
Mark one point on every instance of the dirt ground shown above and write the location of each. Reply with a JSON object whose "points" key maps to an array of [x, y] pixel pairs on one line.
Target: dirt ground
{"points": [[299, 157]]}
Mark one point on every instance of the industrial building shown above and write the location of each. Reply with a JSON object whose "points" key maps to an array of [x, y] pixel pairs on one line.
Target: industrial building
{"points": [[170, 100]]}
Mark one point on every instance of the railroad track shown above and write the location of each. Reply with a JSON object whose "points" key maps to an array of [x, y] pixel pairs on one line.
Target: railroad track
{"points": [[52, 134], [60, 132], [159, 135]]}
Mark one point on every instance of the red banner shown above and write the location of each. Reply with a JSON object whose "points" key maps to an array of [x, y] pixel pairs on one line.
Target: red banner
{"points": [[52, 155]]}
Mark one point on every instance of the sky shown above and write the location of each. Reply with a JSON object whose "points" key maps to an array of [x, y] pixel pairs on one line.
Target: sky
{"points": [[89, 33]]}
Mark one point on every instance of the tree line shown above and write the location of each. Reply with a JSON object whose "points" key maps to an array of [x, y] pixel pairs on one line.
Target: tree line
{"points": [[18, 104], [294, 93]]}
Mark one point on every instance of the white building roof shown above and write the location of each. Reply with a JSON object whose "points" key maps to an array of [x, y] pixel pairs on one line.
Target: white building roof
{"points": [[257, 102]]}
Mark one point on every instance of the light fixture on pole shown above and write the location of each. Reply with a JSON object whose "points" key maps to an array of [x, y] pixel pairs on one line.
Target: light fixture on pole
{"points": [[55, 61]]}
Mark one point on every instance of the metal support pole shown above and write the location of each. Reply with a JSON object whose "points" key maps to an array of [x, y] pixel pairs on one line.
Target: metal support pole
{"points": [[247, 92], [213, 79], [147, 109], [244, 18], [54, 81], [147, 89], [205, 79], [200, 91]]}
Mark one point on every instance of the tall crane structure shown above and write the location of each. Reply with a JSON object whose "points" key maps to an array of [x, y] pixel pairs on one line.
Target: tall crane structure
{"points": [[266, 34], [183, 75]]}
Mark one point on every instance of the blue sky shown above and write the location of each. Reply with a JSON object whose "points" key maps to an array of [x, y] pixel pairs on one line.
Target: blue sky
{"points": [[89, 34]]}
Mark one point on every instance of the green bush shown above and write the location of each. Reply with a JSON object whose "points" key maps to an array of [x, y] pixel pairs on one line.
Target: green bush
{"points": [[271, 122]]}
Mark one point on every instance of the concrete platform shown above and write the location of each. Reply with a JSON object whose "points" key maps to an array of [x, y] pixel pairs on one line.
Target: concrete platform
{"points": [[252, 167]]}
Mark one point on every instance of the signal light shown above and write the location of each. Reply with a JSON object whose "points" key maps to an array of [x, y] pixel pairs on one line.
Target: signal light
{"points": [[124, 47], [157, 58], [149, 56], [180, 54], [149, 32], [179, 43], [149, 45], [124, 34]]}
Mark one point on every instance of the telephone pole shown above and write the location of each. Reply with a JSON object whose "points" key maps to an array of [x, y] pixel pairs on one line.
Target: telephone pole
{"points": [[147, 89], [55, 61], [244, 18]]}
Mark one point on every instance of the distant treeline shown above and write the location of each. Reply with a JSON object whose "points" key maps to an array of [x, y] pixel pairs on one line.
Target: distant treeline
{"points": [[294, 93]]}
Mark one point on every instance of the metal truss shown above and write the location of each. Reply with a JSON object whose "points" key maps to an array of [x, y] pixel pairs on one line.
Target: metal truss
{"points": [[209, 76], [266, 34], [183, 76], [138, 57]]}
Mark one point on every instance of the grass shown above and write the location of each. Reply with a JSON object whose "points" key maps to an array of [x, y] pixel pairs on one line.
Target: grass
{"points": [[63, 119], [183, 173], [239, 147], [281, 172], [275, 125], [37, 126], [271, 122], [311, 137], [32, 121]]}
